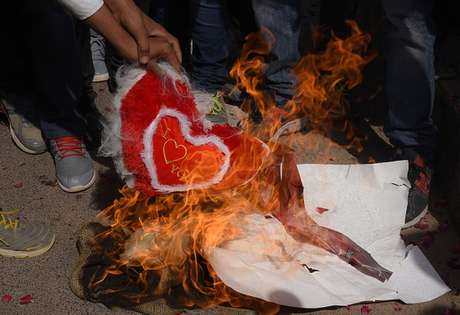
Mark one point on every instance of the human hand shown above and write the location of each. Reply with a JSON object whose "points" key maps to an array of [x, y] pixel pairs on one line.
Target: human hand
{"points": [[131, 18], [147, 48], [161, 49], [142, 28], [156, 30]]}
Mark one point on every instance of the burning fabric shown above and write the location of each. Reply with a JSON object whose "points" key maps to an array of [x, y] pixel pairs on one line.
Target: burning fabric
{"points": [[198, 174]]}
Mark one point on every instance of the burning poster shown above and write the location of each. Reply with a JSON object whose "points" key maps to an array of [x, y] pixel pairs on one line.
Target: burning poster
{"points": [[365, 202]]}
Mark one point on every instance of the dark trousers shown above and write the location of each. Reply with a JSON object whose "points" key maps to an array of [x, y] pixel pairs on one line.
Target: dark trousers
{"points": [[409, 74], [282, 18], [40, 64], [210, 44]]}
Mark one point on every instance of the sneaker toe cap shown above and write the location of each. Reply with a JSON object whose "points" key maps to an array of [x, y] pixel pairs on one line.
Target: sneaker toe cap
{"points": [[34, 145], [75, 174], [77, 182]]}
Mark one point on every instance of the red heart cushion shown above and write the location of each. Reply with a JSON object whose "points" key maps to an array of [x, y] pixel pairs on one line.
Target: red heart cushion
{"points": [[166, 148]]}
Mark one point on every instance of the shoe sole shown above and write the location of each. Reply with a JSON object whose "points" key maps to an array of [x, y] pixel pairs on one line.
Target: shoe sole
{"points": [[77, 189], [27, 254], [415, 220], [100, 78]]}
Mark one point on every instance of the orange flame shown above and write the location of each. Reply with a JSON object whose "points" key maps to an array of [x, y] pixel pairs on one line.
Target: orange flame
{"points": [[161, 243]]}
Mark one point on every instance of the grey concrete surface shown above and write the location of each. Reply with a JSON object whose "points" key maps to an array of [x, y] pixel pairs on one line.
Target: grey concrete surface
{"points": [[28, 182]]}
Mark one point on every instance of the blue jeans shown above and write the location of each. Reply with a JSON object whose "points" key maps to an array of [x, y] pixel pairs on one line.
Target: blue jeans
{"points": [[409, 75], [210, 45], [282, 19]]}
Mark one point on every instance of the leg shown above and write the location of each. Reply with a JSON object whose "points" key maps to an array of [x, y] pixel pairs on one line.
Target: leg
{"points": [[56, 69], [97, 56], [281, 17], [16, 97], [409, 75], [57, 74], [210, 45]]}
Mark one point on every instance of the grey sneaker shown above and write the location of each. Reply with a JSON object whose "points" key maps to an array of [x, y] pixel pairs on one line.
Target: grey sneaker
{"points": [[20, 240], [74, 167], [101, 73], [25, 135]]}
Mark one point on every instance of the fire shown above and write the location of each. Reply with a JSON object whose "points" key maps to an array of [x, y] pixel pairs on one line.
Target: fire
{"points": [[156, 247], [324, 78]]}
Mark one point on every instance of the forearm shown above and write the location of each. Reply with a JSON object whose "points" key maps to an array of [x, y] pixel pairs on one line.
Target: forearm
{"points": [[104, 22]]}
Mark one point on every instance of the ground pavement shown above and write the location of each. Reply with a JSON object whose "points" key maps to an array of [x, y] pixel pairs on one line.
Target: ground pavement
{"points": [[27, 182]]}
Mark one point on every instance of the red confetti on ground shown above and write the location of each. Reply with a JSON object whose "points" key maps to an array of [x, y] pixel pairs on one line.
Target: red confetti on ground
{"points": [[366, 310], [454, 263], [397, 307], [18, 185], [321, 210], [26, 299], [7, 298]]}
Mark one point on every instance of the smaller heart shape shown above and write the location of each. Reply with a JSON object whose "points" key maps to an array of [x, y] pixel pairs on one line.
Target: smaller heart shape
{"points": [[173, 152]]}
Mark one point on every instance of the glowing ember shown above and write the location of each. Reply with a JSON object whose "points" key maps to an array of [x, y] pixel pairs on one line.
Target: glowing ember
{"points": [[156, 245]]}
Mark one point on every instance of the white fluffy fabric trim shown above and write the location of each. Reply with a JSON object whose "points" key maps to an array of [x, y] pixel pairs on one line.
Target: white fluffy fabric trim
{"points": [[111, 146], [198, 140]]}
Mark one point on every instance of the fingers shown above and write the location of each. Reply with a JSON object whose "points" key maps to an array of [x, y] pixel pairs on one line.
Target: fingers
{"points": [[131, 18], [135, 26], [161, 49], [153, 41], [140, 35], [152, 66], [175, 43], [108, 25], [156, 30], [172, 59]]}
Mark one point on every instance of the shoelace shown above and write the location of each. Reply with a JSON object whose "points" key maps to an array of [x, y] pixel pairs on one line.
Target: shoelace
{"points": [[7, 223], [69, 146]]}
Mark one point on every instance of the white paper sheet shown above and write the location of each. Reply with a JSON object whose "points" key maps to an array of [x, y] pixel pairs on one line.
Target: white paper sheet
{"points": [[365, 202]]}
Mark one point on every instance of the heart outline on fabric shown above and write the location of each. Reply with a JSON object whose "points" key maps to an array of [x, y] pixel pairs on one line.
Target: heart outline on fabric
{"points": [[176, 146], [184, 123]]}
